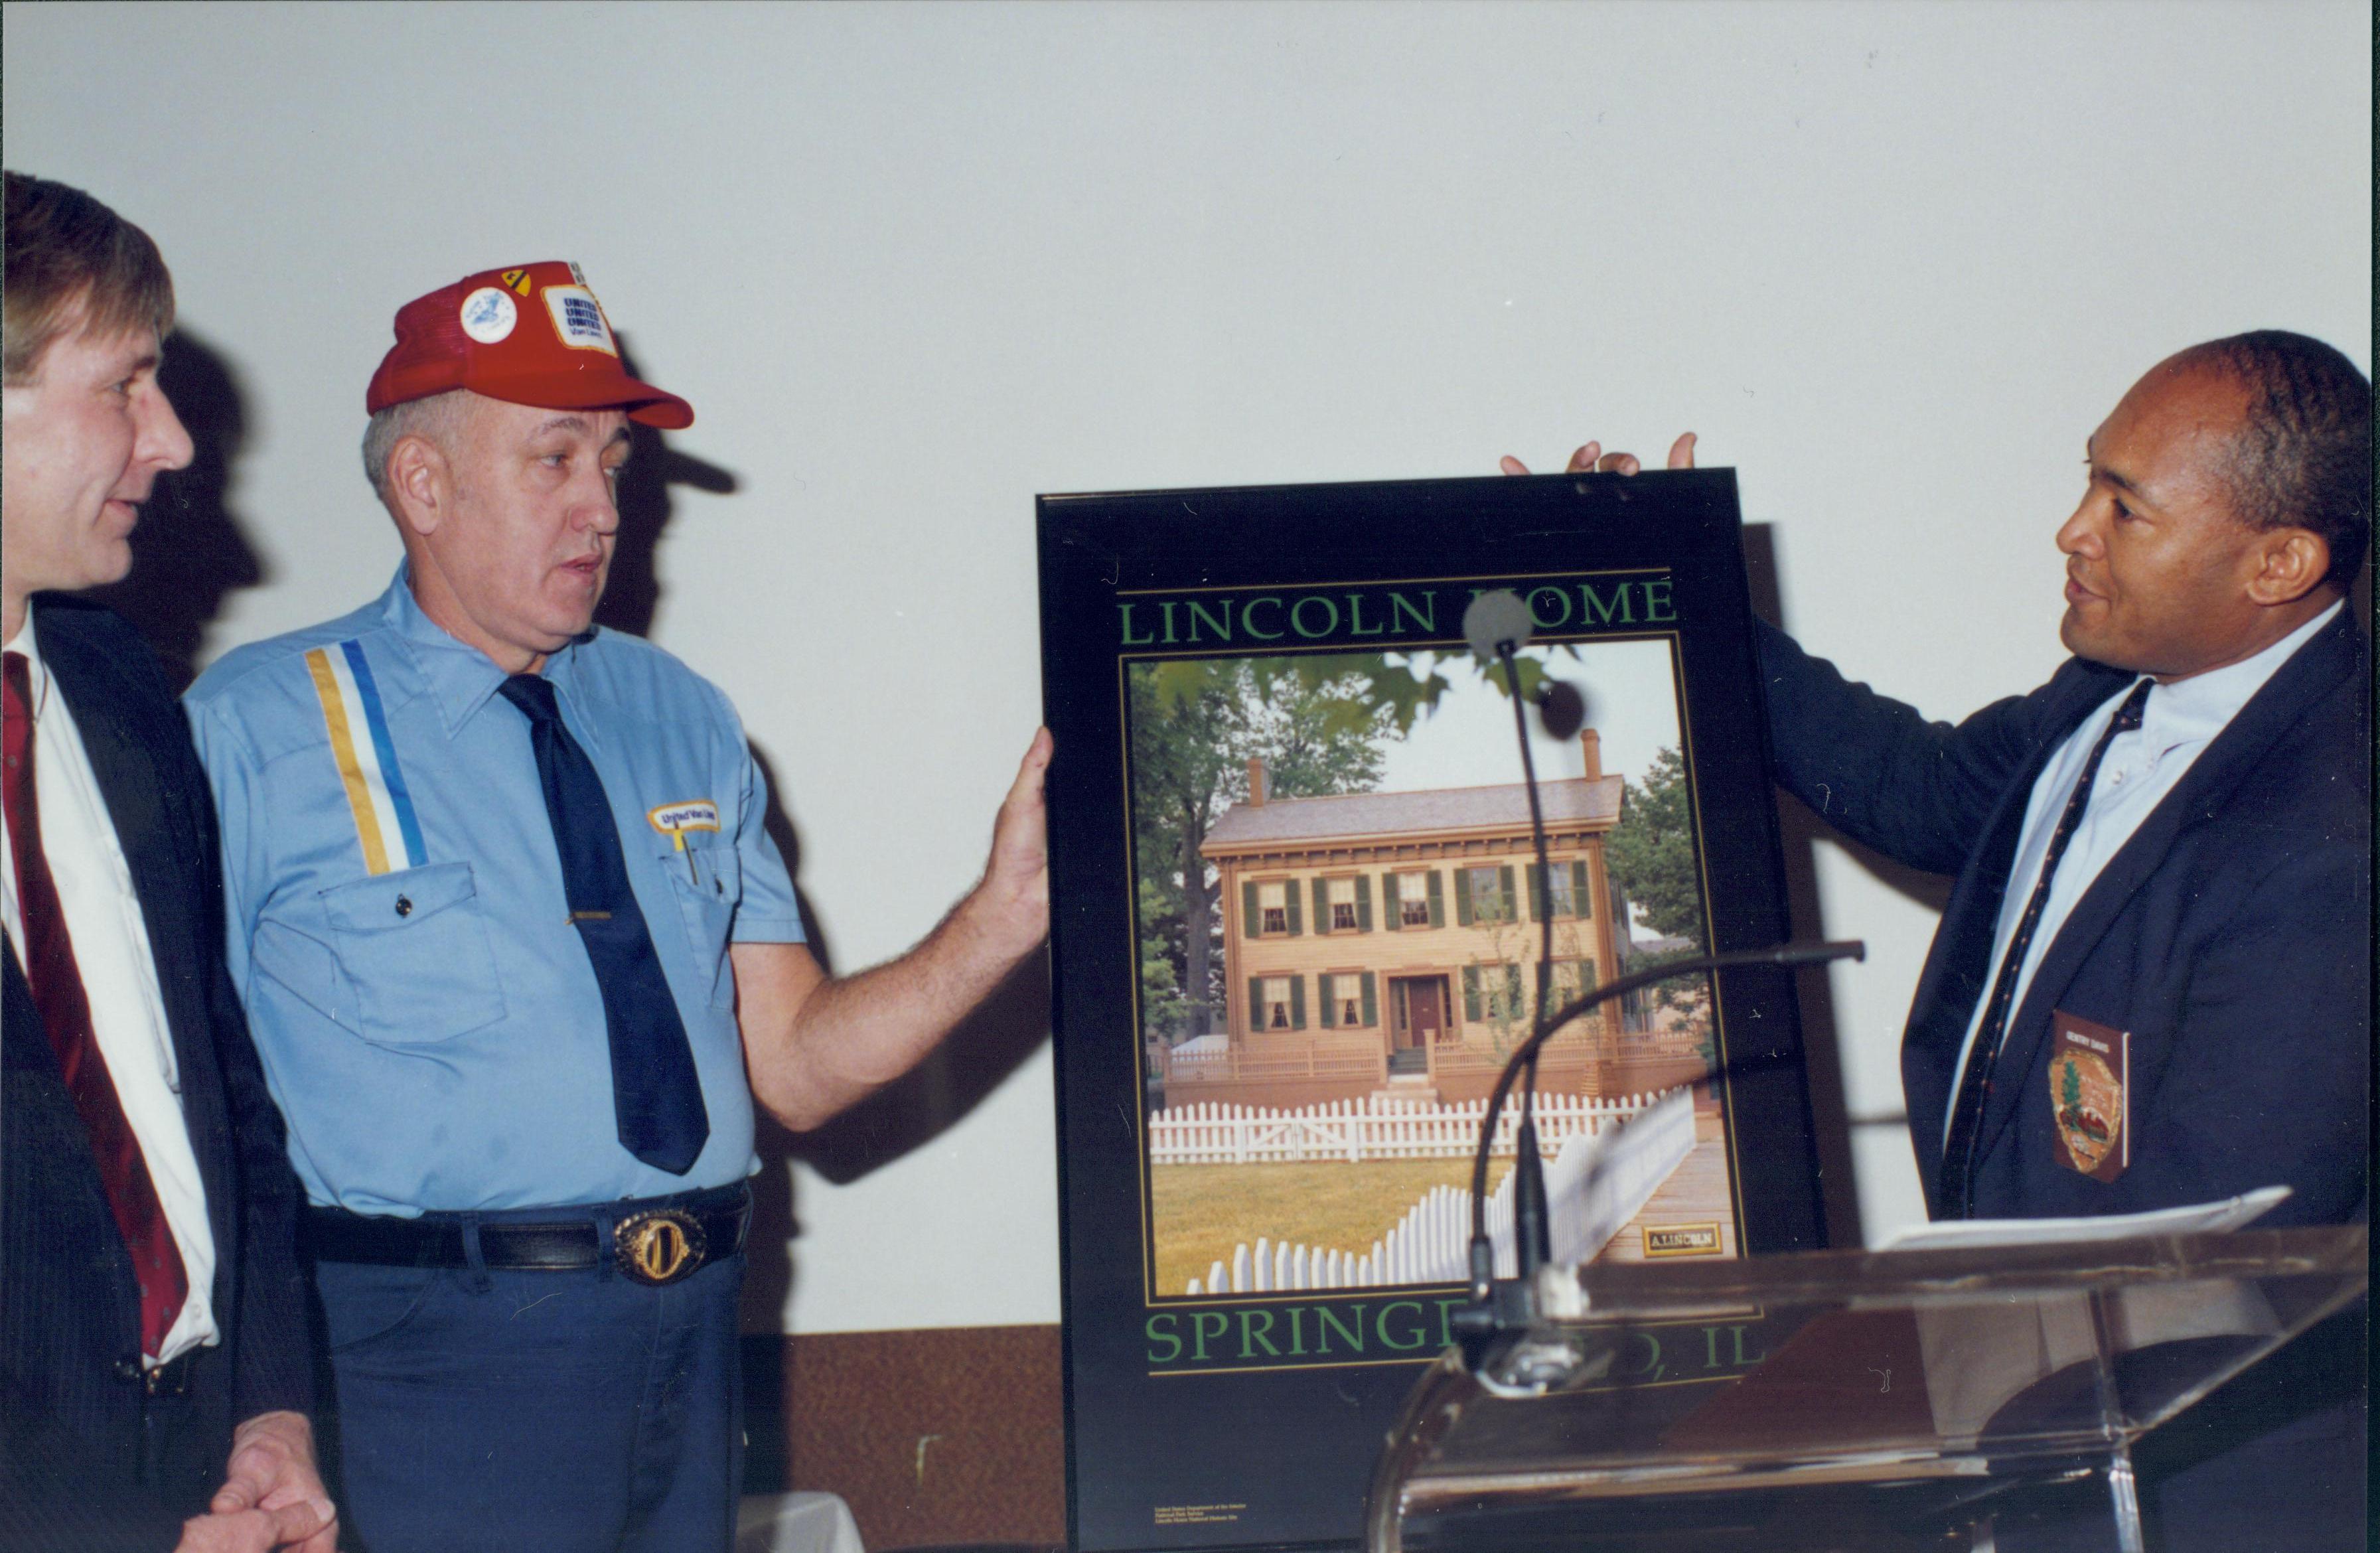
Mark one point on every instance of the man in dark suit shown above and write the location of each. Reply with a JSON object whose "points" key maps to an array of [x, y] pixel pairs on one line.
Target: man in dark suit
{"points": [[154, 1366], [2152, 983], [2220, 925]]}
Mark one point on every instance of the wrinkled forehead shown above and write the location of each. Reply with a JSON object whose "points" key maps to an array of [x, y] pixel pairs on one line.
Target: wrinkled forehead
{"points": [[499, 426]]}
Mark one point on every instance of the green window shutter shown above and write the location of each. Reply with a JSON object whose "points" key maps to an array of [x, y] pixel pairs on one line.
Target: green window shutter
{"points": [[1363, 902], [1463, 906], [1580, 903], [1297, 1002], [1329, 1002], [1251, 914], [1512, 1003], [1510, 905], [1321, 906], [1471, 993], [1371, 998], [1392, 911], [1255, 1000], [1290, 893], [1436, 901], [1586, 981], [1537, 894]]}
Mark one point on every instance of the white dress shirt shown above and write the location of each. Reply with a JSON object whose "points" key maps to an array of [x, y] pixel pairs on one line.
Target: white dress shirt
{"points": [[119, 977], [2140, 767]]}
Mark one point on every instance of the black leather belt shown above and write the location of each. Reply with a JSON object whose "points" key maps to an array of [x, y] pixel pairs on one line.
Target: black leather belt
{"points": [[655, 1241]]}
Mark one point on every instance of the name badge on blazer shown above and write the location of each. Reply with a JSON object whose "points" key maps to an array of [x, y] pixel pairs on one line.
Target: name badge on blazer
{"points": [[2089, 1093]]}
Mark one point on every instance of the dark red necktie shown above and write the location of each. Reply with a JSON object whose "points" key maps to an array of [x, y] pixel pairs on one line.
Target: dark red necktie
{"points": [[57, 991]]}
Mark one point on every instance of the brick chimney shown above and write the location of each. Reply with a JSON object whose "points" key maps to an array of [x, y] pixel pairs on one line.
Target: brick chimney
{"points": [[1592, 742], [1256, 782]]}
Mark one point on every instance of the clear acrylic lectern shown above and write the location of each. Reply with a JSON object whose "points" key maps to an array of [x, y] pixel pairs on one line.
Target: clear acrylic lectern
{"points": [[1758, 1403]]}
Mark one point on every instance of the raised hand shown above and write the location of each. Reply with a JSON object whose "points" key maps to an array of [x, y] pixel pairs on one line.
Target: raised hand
{"points": [[1592, 460]]}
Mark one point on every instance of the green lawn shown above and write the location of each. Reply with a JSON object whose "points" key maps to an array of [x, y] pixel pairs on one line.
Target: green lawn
{"points": [[1202, 1212]]}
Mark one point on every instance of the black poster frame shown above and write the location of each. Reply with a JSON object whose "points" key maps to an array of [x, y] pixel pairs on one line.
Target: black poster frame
{"points": [[1280, 1456]]}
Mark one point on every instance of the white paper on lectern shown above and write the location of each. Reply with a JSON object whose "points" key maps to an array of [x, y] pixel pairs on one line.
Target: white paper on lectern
{"points": [[2191, 1218]]}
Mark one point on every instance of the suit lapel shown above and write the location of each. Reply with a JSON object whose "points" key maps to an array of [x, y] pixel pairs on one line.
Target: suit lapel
{"points": [[130, 782], [1959, 968], [2219, 770]]}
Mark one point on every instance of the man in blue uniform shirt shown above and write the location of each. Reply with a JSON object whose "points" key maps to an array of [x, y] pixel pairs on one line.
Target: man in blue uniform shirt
{"points": [[513, 939]]}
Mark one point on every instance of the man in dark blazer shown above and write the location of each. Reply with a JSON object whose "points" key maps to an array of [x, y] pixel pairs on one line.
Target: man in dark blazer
{"points": [[155, 1372], [2228, 936], [2152, 983]]}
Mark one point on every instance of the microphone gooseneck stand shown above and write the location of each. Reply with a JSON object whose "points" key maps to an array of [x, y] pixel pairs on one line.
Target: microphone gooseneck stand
{"points": [[1496, 627]]}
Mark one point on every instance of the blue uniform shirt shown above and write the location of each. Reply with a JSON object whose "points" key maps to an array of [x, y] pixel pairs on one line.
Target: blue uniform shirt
{"points": [[427, 1018]]}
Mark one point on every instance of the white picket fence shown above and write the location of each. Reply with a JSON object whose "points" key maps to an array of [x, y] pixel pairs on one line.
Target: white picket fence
{"points": [[1373, 1127], [1597, 1182]]}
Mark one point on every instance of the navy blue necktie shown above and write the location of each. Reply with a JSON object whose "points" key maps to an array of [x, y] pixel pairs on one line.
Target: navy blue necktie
{"points": [[1975, 1084], [656, 1097]]}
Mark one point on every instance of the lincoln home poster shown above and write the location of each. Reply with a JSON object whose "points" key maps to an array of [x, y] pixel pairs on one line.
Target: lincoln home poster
{"points": [[1296, 931]]}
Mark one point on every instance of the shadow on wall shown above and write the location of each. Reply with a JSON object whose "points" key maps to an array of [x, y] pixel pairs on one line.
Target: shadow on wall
{"points": [[975, 1059], [1799, 830], [189, 554], [632, 596]]}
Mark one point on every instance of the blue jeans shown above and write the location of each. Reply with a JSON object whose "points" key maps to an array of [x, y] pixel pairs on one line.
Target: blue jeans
{"points": [[536, 1411]]}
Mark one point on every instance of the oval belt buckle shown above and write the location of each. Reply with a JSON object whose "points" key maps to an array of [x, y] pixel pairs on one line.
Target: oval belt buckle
{"points": [[660, 1245]]}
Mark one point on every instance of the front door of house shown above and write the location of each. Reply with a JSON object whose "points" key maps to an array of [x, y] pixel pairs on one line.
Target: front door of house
{"points": [[1419, 1005]]}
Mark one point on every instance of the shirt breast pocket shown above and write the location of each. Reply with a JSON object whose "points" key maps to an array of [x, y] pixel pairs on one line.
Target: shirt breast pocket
{"points": [[415, 951], [707, 877]]}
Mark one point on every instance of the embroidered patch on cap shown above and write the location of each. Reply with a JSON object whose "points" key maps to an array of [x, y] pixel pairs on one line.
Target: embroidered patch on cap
{"points": [[489, 315], [519, 280], [577, 320]]}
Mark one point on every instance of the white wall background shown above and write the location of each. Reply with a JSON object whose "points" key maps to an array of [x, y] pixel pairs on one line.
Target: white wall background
{"points": [[915, 265]]}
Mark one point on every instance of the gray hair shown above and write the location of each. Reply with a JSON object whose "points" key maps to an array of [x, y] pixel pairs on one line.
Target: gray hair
{"points": [[436, 418]]}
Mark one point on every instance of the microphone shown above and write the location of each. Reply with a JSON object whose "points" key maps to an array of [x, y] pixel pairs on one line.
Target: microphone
{"points": [[1496, 624], [1562, 709]]}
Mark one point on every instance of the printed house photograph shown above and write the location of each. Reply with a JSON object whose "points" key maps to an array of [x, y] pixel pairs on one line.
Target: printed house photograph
{"points": [[1340, 925]]}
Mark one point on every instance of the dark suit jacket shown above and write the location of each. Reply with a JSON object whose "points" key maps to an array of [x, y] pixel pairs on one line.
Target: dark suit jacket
{"points": [[69, 1312], [2231, 936]]}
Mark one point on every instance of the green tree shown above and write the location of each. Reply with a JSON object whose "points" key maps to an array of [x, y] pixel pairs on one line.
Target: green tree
{"points": [[1651, 857], [1318, 722], [1651, 853]]}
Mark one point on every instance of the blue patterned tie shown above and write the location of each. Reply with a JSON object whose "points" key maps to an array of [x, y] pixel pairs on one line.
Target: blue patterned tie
{"points": [[656, 1097], [1976, 1086]]}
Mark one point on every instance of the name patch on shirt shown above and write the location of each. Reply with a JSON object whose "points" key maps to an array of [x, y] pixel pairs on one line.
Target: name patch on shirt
{"points": [[692, 814]]}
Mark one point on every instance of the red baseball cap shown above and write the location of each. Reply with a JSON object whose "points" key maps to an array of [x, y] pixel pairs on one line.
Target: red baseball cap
{"points": [[530, 335]]}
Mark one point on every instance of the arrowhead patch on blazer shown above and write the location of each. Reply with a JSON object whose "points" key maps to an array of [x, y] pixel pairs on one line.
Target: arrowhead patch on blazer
{"points": [[2090, 1072]]}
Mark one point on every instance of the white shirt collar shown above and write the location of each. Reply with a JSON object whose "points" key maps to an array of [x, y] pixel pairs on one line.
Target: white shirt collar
{"points": [[2195, 709], [37, 673]]}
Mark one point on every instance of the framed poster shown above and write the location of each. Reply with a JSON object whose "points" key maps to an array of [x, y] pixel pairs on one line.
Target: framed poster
{"points": [[1295, 932]]}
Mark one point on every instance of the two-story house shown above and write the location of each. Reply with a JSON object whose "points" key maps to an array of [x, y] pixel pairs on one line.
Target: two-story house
{"points": [[1389, 941]]}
